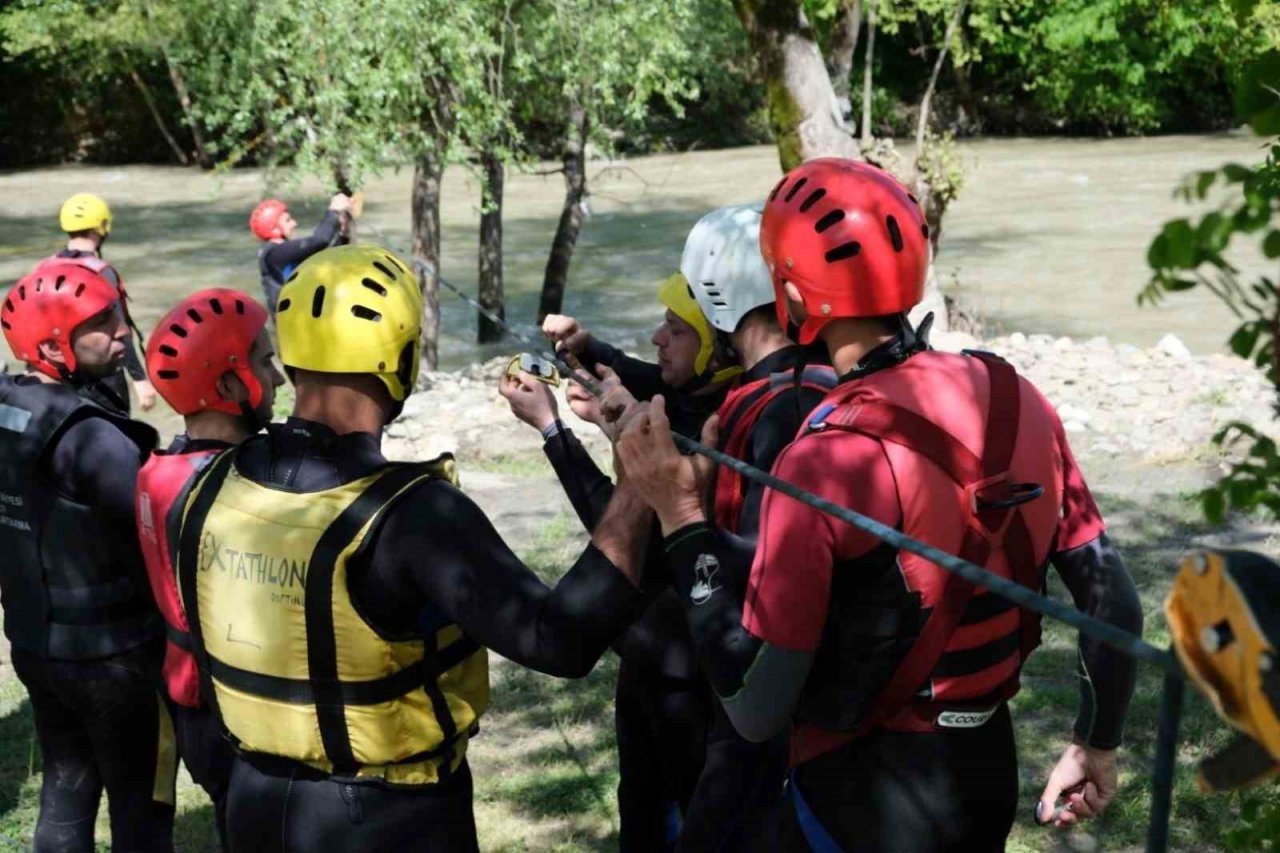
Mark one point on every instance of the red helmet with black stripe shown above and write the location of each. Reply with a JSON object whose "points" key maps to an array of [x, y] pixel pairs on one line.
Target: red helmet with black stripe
{"points": [[48, 305], [850, 237], [202, 337]]}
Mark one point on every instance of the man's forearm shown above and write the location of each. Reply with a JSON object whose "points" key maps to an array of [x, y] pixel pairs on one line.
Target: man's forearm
{"points": [[623, 532]]}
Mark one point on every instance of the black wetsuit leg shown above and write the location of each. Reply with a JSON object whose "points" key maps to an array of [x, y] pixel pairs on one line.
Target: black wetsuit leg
{"points": [[660, 725], [100, 724], [901, 792], [738, 775], [208, 756], [274, 805]]}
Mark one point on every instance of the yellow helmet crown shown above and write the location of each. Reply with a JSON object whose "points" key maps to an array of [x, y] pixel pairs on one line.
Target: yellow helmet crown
{"points": [[85, 212], [353, 309]]}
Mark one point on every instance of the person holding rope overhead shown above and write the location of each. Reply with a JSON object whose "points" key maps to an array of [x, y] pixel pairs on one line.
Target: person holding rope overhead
{"points": [[86, 219], [86, 638], [212, 361], [341, 606], [282, 251], [725, 278], [892, 674]]}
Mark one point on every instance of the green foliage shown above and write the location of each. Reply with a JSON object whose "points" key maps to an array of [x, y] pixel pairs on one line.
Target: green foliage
{"points": [[1259, 830]]}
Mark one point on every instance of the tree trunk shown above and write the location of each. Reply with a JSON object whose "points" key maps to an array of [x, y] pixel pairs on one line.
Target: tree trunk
{"points": [[428, 174], [926, 103], [867, 72], [843, 44], [145, 91], [803, 113], [491, 295], [184, 98], [566, 239]]}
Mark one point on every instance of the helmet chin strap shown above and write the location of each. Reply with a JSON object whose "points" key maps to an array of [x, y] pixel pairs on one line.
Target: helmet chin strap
{"points": [[253, 422]]}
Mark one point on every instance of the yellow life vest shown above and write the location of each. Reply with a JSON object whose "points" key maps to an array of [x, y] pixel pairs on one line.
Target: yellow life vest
{"points": [[295, 669]]}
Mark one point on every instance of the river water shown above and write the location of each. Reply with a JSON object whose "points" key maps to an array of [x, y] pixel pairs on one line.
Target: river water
{"points": [[1048, 235]]}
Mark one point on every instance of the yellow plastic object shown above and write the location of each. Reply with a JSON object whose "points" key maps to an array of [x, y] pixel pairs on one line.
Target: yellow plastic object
{"points": [[1224, 615], [539, 368], [357, 204], [675, 294], [353, 309], [85, 212]]}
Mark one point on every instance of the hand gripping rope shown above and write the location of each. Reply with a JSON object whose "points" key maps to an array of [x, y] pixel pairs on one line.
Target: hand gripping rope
{"points": [[1129, 644]]}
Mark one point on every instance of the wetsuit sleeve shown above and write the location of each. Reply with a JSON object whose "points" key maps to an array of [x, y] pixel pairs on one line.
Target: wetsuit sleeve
{"points": [[1101, 586], [588, 488], [444, 548], [290, 253], [757, 653], [642, 378], [95, 463], [132, 361]]}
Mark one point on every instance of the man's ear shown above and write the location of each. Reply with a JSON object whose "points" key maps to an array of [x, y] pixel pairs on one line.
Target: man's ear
{"points": [[231, 388], [51, 352]]}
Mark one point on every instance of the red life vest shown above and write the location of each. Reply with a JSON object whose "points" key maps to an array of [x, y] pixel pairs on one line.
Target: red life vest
{"points": [[987, 486], [738, 414], [161, 483]]}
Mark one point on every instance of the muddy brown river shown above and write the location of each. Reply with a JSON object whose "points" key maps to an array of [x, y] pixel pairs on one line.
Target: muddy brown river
{"points": [[1048, 235]]}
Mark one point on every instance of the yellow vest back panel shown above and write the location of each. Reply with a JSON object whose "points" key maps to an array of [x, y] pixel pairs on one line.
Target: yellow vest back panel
{"points": [[296, 671]]}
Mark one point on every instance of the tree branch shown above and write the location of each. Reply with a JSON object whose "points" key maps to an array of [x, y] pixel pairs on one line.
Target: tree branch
{"points": [[926, 103]]}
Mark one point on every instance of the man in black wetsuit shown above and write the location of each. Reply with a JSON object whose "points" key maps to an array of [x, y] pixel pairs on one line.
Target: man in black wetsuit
{"points": [[85, 635], [87, 221], [282, 251], [893, 676], [731, 289], [341, 606]]}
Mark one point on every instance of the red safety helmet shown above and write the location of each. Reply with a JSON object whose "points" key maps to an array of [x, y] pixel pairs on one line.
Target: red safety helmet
{"points": [[201, 338], [850, 237], [49, 304], [265, 219]]}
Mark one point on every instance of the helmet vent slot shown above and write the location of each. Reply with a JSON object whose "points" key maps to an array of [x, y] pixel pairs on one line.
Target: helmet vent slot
{"points": [[79, 290], [239, 307], [216, 306], [374, 286], [366, 313], [827, 221], [385, 270], [291, 277], [895, 234], [167, 374], [8, 305], [168, 350], [58, 282], [777, 188], [914, 200], [392, 260], [39, 282], [178, 330], [812, 199], [847, 250], [924, 229], [195, 315], [5, 324], [284, 305], [317, 301], [791, 193], [22, 292]]}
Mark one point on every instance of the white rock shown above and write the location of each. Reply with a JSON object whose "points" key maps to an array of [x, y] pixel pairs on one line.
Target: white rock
{"points": [[1017, 339], [1171, 346]]}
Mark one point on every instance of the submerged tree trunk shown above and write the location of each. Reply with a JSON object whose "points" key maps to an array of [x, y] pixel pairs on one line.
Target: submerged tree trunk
{"points": [[575, 193], [803, 113], [491, 294], [428, 173], [844, 43]]}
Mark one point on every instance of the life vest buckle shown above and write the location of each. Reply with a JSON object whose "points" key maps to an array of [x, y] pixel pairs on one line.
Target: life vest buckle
{"points": [[991, 499]]}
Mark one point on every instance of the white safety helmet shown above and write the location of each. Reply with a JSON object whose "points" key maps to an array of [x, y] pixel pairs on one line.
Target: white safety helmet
{"points": [[724, 267]]}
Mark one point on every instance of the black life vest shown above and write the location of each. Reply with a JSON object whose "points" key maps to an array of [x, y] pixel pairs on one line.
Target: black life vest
{"points": [[63, 594]]}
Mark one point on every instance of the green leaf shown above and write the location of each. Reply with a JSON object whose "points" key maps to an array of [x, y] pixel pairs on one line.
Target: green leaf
{"points": [[1271, 244], [1214, 505], [1245, 339], [1180, 244], [1256, 100], [1235, 173], [1243, 9]]}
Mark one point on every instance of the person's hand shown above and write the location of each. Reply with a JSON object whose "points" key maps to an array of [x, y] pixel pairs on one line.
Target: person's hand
{"points": [[340, 203], [584, 404], [655, 469], [615, 398], [530, 400], [146, 394], [1086, 778], [565, 333]]}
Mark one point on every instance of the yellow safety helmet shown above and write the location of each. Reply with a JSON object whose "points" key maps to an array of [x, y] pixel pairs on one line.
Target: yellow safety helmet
{"points": [[85, 212], [676, 294], [353, 309]]}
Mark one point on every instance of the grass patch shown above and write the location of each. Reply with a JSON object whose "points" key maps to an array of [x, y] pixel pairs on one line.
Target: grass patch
{"points": [[518, 466]]}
